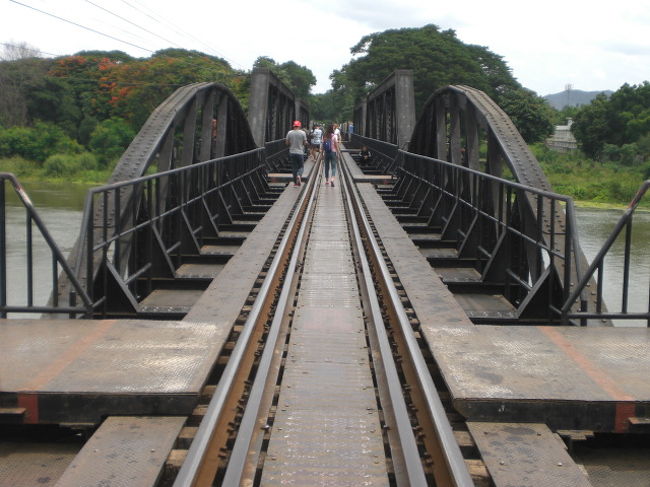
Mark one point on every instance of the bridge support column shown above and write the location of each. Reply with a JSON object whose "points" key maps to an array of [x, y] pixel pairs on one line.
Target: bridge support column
{"points": [[258, 104], [405, 106]]}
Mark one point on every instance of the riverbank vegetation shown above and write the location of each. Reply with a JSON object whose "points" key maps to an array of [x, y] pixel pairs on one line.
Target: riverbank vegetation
{"points": [[591, 182], [70, 118]]}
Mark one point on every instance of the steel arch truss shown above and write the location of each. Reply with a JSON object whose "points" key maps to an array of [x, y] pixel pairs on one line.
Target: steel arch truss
{"points": [[273, 107], [388, 112], [199, 130], [463, 126]]}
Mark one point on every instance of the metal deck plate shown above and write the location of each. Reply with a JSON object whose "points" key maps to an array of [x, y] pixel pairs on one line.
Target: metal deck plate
{"points": [[326, 429], [567, 377], [458, 274], [485, 305], [171, 298], [224, 298], [525, 455], [79, 370], [29, 464], [124, 451], [199, 270], [613, 467], [433, 303]]}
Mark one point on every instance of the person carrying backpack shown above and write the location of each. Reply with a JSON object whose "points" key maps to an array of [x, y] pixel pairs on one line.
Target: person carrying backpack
{"points": [[330, 148]]}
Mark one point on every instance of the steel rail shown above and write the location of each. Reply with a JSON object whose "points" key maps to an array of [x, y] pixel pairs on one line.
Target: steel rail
{"points": [[193, 466], [239, 454], [407, 450], [452, 456], [245, 434]]}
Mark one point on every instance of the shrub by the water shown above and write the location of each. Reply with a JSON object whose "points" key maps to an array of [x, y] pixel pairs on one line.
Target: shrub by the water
{"points": [[36, 143], [62, 165]]}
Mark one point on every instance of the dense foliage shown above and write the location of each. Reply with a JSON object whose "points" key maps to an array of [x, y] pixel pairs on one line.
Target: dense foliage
{"points": [[616, 128], [437, 59], [94, 101], [298, 78], [582, 178]]}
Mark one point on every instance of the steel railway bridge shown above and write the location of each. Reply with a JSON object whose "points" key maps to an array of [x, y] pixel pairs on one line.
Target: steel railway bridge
{"points": [[431, 320]]}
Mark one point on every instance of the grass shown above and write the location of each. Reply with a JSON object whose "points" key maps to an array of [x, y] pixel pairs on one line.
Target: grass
{"points": [[26, 170], [592, 183]]}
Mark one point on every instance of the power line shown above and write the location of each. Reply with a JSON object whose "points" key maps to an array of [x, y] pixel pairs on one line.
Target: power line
{"points": [[132, 23], [179, 31], [82, 26]]}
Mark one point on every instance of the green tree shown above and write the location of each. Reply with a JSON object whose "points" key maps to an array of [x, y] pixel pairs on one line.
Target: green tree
{"points": [[17, 76], [590, 126], [297, 78], [530, 113], [437, 58], [109, 139], [620, 120], [300, 77]]}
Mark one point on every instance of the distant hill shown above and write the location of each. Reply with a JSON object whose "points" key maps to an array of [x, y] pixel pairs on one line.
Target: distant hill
{"points": [[573, 98]]}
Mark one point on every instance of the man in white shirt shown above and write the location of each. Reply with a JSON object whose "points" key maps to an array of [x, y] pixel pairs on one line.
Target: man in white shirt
{"points": [[316, 140]]}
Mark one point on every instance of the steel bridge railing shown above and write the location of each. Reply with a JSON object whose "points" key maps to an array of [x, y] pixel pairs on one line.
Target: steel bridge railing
{"points": [[598, 266], [483, 213], [277, 156], [64, 304], [484, 216], [385, 158], [165, 217]]}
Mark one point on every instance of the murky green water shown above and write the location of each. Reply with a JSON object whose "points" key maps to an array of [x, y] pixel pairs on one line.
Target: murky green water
{"points": [[61, 206], [595, 227]]}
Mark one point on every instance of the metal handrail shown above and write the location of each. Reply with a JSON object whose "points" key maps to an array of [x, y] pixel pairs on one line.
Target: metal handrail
{"points": [[572, 267], [624, 221], [57, 259], [104, 223], [385, 150]]}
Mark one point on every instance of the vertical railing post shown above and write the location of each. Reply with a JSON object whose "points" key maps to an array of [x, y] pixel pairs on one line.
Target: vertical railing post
{"points": [[3, 250], [626, 264], [90, 291], [30, 258], [117, 230]]}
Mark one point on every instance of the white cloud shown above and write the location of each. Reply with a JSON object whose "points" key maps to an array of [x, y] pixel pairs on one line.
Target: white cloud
{"points": [[589, 44]]}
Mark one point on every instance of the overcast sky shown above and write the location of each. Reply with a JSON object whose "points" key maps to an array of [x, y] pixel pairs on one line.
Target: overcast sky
{"points": [[592, 45]]}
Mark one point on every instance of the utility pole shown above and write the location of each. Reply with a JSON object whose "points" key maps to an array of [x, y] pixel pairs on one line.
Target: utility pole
{"points": [[568, 88]]}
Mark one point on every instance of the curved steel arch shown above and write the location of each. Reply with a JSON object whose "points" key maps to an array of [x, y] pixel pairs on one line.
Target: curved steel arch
{"points": [[456, 124], [455, 116], [198, 122]]}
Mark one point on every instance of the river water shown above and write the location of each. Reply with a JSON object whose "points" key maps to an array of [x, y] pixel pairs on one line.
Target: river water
{"points": [[61, 207]]}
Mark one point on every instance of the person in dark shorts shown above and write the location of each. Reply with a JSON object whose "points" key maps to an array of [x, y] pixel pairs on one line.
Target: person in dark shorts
{"points": [[330, 149], [364, 156]]}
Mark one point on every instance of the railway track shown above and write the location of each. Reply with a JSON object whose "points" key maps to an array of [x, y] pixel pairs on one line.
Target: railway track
{"points": [[236, 441], [326, 374]]}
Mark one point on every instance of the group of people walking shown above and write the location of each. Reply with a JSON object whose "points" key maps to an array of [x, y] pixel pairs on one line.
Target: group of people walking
{"points": [[326, 143]]}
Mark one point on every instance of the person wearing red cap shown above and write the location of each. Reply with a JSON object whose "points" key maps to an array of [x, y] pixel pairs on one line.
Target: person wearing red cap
{"points": [[296, 140]]}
